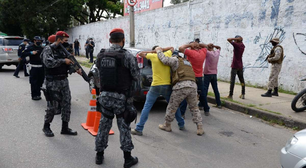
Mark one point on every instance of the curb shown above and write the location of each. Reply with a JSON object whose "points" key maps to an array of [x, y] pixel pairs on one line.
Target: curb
{"points": [[281, 120]]}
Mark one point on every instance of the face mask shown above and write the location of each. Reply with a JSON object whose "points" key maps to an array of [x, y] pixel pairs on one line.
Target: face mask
{"points": [[65, 44], [38, 43]]}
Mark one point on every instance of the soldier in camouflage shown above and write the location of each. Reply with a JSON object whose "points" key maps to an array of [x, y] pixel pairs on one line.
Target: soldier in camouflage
{"points": [[119, 78], [184, 87], [57, 86], [275, 58]]}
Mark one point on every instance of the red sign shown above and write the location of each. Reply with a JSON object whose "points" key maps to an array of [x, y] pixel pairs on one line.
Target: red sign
{"points": [[142, 5], [132, 2]]}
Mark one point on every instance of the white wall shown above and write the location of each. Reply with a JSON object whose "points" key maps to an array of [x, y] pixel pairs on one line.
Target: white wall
{"points": [[213, 21]]}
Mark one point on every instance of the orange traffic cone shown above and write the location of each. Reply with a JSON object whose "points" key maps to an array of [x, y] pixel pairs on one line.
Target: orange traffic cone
{"points": [[94, 131], [91, 114]]}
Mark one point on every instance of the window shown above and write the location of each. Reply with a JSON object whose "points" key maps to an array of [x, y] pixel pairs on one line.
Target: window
{"points": [[12, 41]]}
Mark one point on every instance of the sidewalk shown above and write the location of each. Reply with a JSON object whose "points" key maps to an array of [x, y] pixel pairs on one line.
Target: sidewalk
{"points": [[274, 109]]}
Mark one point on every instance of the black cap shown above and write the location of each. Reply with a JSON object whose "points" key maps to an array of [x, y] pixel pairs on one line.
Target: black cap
{"points": [[37, 38], [27, 40], [237, 36], [197, 40]]}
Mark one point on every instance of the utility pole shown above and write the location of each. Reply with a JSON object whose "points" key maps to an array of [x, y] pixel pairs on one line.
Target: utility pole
{"points": [[132, 27]]}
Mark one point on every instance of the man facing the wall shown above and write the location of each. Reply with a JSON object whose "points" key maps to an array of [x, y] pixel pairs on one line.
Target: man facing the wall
{"points": [[237, 65]]}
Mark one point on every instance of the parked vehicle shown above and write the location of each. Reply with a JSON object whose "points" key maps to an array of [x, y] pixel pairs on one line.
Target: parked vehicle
{"points": [[9, 49], [298, 103], [293, 155], [145, 72]]}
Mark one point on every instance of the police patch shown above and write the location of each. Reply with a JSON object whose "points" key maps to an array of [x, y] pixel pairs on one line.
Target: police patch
{"points": [[108, 63]]}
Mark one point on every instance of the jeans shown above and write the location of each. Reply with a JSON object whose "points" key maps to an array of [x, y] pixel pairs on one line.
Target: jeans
{"points": [[91, 55], [183, 107], [201, 91], [87, 52], [76, 52], [153, 94], [211, 78], [238, 72], [21, 64]]}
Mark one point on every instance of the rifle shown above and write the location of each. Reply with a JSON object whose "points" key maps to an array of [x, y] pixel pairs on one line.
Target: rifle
{"points": [[75, 66]]}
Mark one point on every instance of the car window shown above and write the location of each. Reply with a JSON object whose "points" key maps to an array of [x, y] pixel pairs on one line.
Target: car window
{"points": [[1, 42], [12, 41]]}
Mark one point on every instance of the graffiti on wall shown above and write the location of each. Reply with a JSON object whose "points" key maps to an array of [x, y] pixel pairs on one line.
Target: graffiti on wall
{"points": [[266, 47], [257, 38], [300, 41]]}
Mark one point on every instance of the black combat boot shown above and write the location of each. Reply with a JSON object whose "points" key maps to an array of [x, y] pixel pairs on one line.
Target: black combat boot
{"points": [[129, 160], [66, 130], [99, 157], [268, 93], [48, 132], [275, 92]]}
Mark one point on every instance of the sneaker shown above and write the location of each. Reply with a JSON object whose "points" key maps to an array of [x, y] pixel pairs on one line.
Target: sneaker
{"points": [[218, 106], [16, 76], [135, 132], [201, 108], [241, 96], [182, 128], [207, 113], [230, 97]]}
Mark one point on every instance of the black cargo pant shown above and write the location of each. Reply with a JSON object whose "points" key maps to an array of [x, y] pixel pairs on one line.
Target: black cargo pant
{"points": [[238, 72], [20, 66], [59, 91], [112, 104], [37, 76]]}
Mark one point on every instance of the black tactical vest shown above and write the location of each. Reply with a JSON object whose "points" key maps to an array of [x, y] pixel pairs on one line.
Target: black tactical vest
{"points": [[114, 76], [62, 70]]}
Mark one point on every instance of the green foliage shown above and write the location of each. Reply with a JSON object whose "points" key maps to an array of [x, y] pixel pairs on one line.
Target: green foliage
{"points": [[43, 18]]}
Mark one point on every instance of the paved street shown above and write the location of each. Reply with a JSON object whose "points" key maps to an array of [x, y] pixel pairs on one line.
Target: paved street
{"points": [[231, 140]]}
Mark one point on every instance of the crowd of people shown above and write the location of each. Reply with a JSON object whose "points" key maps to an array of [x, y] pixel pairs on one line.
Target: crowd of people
{"points": [[182, 77]]}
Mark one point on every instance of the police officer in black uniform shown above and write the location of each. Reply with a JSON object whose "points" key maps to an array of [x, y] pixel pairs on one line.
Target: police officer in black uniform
{"points": [[37, 71], [22, 62], [119, 78], [91, 46]]}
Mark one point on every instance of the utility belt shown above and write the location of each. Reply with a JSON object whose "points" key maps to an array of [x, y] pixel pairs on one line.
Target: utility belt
{"points": [[36, 66], [125, 92], [56, 77], [30, 66]]}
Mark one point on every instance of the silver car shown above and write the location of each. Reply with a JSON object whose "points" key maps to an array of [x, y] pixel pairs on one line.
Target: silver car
{"points": [[9, 50], [293, 155]]}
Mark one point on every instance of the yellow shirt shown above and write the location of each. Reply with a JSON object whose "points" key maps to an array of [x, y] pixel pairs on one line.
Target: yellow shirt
{"points": [[161, 72]]}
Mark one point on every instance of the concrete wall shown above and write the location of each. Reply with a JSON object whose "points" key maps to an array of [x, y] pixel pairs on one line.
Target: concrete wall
{"points": [[216, 20]]}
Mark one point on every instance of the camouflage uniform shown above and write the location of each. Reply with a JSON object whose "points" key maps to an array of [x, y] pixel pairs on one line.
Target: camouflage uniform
{"points": [[275, 69], [113, 103], [58, 89], [181, 90]]}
